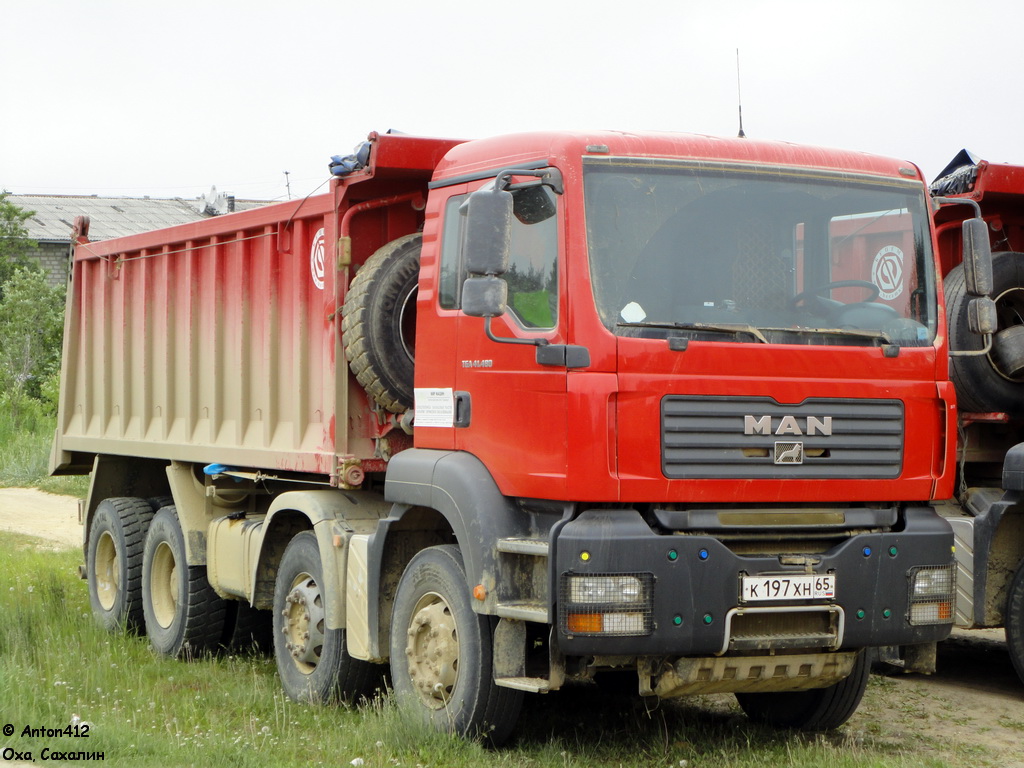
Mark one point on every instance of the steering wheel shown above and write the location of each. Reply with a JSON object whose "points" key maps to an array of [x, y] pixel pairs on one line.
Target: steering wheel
{"points": [[815, 293]]}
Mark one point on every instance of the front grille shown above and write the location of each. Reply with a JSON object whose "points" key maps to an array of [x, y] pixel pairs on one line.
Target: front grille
{"points": [[818, 439]]}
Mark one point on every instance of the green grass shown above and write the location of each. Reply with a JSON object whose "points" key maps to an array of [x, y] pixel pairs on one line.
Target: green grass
{"points": [[25, 455], [143, 710]]}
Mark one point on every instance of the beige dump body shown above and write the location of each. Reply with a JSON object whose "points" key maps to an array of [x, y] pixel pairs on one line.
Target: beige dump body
{"points": [[209, 342]]}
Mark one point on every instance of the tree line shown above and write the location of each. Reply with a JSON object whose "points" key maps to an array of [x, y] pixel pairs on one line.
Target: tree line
{"points": [[31, 326]]}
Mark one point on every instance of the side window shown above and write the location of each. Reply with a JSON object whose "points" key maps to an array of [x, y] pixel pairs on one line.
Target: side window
{"points": [[532, 275], [452, 273]]}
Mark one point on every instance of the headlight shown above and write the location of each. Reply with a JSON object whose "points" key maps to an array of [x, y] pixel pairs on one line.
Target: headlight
{"points": [[605, 589], [933, 582], [619, 604], [932, 594]]}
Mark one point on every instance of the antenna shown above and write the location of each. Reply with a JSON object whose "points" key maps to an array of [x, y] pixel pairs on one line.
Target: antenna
{"points": [[288, 184], [739, 95]]}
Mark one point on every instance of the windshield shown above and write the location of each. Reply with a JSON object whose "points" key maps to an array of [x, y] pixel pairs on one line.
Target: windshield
{"points": [[767, 255]]}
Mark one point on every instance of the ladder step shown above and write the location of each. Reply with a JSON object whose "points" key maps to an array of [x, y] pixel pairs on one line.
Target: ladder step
{"points": [[528, 684], [524, 611], [538, 547]]}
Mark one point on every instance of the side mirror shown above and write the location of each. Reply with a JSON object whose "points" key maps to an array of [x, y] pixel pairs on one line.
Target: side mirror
{"points": [[977, 257], [981, 316], [488, 231], [485, 296]]}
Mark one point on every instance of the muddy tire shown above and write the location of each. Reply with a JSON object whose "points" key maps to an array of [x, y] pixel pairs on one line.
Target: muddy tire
{"points": [[989, 382], [1014, 621], [379, 323], [184, 616], [113, 556], [312, 661], [819, 709], [441, 652]]}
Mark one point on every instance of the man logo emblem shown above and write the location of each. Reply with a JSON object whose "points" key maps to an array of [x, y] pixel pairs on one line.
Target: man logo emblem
{"points": [[789, 453]]}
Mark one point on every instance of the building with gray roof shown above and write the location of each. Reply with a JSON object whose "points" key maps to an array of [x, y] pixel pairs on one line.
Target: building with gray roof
{"points": [[53, 218]]}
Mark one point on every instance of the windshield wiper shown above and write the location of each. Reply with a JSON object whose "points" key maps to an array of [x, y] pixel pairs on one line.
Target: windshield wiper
{"points": [[757, 332], [858, 332], [733, 328]]}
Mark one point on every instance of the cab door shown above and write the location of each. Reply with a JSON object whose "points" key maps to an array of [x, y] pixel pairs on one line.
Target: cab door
{"points": [[511, 409]]}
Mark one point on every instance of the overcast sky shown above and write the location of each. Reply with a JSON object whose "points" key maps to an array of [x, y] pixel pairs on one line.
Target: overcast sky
{"points": [[141, 97]]}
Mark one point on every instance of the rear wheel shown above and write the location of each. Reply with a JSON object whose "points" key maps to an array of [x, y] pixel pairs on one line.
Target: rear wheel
{"points": [[311, 658], [184, 616], [1014, 621], [819, 709], [441, 651], [113, 557]]}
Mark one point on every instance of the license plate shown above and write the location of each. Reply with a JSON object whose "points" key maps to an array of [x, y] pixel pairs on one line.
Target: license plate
{"points": [[808, 587]]}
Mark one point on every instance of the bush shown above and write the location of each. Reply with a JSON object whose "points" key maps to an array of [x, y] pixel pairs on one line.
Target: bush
{"points": [[31, 329]]}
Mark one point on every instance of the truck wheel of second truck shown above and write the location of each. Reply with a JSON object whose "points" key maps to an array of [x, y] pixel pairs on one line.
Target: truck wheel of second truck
{"points": [[818, 709], [184, 616], [1014, 621], [113, 558], [379, 323], [989, 382], [312, 661], [441, 651]]}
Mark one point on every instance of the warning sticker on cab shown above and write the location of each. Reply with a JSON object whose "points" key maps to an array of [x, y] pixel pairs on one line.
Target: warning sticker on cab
{"points": [[434, 407]]}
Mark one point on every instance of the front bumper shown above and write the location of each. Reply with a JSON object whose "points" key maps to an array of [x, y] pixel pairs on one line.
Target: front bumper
{"points": [[683, 592]]}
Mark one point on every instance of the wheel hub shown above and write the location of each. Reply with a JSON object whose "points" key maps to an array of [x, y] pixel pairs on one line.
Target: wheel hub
{"points": [[304, 623], [433, 650], [164, 590], [1005, 355], [107, 569]]}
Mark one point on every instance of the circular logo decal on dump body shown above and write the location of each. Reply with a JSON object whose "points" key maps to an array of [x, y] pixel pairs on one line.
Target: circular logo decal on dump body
{"points": [[887, 272], [316, 259]]}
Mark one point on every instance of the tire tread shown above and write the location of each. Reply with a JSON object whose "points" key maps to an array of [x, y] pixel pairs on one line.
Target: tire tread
{"points": [[1013, 621], [133, 516], [367, 299]]}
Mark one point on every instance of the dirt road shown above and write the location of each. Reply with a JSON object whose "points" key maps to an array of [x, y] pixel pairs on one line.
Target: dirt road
{"points": [[970, 713], [44, 515]]}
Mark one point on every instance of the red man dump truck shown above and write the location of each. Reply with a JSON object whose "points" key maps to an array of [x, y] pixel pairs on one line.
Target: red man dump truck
{"points": [[988, 373], [508, 413]]}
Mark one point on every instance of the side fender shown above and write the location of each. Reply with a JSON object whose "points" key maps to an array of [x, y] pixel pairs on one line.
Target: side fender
{"points": [[462, 490], [334, 516]]}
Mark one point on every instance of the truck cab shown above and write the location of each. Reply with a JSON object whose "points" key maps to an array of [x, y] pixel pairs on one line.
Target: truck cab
{"points": [[711, 374]]}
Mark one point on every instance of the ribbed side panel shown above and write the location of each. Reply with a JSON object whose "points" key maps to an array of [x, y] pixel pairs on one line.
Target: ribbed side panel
{"points": [[721, 438], [206, 348]]}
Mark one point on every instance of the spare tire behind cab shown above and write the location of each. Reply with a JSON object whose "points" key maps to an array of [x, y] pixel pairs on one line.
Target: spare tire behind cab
{"points": [[379, 322], [988, 382]]}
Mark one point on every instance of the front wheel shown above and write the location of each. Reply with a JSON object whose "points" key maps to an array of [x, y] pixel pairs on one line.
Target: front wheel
{"points": [[441, 651], [311, 658], [1014, 621], [819, 709]]}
